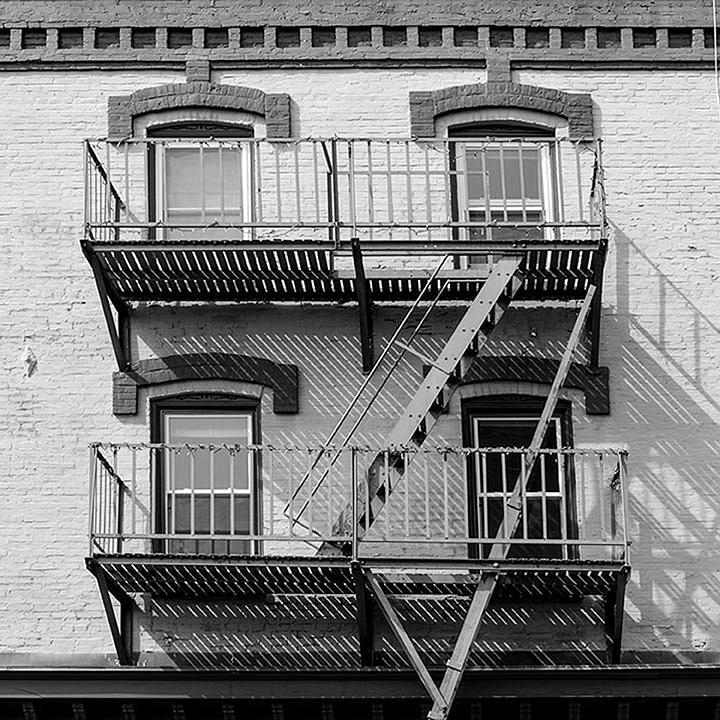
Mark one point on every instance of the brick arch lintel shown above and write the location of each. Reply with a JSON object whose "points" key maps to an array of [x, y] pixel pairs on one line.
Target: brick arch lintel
{"points": [[273, 107], [427, 105], [594, 382], [281, 377]]}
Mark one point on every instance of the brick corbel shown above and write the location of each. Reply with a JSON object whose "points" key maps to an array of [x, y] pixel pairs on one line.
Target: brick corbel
{"points": [[427, 106], [281, 377], [594, 382], [274, 108]]}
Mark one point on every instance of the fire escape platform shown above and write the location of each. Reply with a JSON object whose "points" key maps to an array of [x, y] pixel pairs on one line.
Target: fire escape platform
{"points": [[322, 271], [214, 576]]}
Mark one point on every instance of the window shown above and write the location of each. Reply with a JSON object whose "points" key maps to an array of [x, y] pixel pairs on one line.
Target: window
{"points": [[202, 178], [509, 422], [203, 491], [505, 174]]}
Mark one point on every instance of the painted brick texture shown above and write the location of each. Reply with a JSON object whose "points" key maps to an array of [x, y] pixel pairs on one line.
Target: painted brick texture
{"points": [[660, 342]]}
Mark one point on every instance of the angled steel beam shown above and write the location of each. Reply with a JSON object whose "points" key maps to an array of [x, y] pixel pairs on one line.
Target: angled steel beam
{"points": [[117, 332], [362, 290], [458, 661], [122, 632], [363, 611], [404, 639]]}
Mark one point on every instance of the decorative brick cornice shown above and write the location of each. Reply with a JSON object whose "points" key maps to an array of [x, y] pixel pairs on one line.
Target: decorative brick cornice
{"points": [[594, 382], [274, 108], [281, 377], [426, 106]]}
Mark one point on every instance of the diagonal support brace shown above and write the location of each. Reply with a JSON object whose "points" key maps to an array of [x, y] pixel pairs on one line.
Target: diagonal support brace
{"points": [[365, 309], [116, 332], [122, 631]]}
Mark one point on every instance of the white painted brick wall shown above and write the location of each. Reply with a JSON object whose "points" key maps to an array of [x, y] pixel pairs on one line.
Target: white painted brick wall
{"points": [[660, 336]]}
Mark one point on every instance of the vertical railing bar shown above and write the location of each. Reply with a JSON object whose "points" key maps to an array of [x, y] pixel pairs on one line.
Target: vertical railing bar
{"points": [[447, 183], [329, 473], [126, 145], [311, 496], [203, 209], [446, 514], [92, 479], [232, 466], [191, 454], [623, 500], [366, 477], [503, 190], [108, 214], [154, 494], [408, 485], [221, 166], [467, 459], [561, 462], [87, 188], [524, 479], [521, 164], [543, 495], [483, 485], [426, 483], [292, 491], [278, 191], [371, 190], [258, 181], [115, 489], [296, 156], [133, 491], [578, 170], [250, 469], [391, 211], [428, 192], [582, 500], [354, 503], [503, 477], [388, 492], [486, 190], [351, 186], [316, 181], [601, 485], [408, 177], [270, 488], [559, 176]]}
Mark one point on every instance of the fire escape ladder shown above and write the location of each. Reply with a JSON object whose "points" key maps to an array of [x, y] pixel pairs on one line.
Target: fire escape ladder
{"points": [[443, 695], [444, 375]]}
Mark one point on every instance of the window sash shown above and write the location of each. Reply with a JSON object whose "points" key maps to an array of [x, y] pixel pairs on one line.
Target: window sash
{"points": [[172, 494], [225, 209]]}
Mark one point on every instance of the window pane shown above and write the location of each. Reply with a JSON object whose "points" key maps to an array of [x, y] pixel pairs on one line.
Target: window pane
{"points": [[201, 468], [182, 168]]}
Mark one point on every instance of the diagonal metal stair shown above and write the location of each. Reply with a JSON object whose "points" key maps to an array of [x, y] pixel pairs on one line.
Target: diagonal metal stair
{"points": [[431, 399]]}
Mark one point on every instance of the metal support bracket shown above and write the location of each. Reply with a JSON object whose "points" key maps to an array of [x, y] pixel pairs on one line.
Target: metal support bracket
{"points": [[119, 333], [365, 310], [363, 610], [614, 614], [596, 312], [122, 630]]}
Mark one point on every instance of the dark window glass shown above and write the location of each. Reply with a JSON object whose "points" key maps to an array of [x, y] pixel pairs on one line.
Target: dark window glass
{"points": [[34, 38], [359, 37], [179, 37], [107, 38], [679, 38], [323, 37], [4, 38], [572, 38], [287, 37], [537, 38], [709, 38], [143, 37], [644, 38], [216, 38], [252, 37], [466, 36], [70, 38], [429, 36], [394, 36], [501, 37], [608, 38]]}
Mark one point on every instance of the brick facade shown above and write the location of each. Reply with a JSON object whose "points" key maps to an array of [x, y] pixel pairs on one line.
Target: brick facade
{"points": [[659, 338]]}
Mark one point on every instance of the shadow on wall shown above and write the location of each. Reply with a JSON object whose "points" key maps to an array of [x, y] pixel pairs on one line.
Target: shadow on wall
{"points": [[662, 351], [665, 407]]}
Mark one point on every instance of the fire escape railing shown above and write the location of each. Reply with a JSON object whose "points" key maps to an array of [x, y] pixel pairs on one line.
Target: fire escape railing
{"points": [[488, 191], [190, 499]]}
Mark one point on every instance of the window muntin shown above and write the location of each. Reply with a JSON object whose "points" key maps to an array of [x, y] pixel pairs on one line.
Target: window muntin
{"points": [[208, 492], [547, 497], [202, 178], [506, 174], [206, 184]]}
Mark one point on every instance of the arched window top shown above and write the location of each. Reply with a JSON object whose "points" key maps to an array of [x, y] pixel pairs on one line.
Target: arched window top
{"points": [[200, 129], [190, 98], [427, 108], [498, 129]]}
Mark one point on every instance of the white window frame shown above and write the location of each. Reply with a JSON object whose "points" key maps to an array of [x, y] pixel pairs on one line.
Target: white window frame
{"points": [[161, 185], [548, 165], [169, 493], [483, 495]]}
